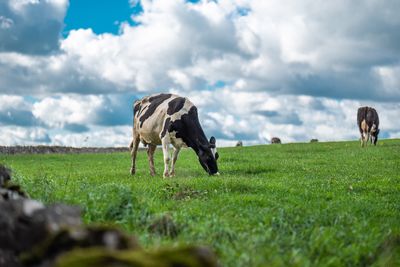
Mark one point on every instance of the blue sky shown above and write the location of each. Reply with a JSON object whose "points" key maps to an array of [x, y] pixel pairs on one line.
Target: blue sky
{"points": [[69, 70], [101, 16]]}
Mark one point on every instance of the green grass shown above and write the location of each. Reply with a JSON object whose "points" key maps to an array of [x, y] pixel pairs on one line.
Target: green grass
{"points": [[319, 204]]}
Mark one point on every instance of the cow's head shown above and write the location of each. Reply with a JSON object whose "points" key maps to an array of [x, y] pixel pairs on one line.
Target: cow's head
{"points": [[374, 134], [208, 156]]}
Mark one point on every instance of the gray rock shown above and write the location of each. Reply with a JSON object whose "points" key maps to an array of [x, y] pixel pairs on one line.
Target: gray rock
{"points": [[5, 175], [26, 222]]}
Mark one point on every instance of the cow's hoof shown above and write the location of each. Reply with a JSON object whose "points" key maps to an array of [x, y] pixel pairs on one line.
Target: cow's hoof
{"points": [[171, 174], [166, 175], [133, 171]]}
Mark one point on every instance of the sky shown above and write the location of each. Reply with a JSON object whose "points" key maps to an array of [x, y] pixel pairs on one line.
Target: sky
{"points": [[297, 70]]}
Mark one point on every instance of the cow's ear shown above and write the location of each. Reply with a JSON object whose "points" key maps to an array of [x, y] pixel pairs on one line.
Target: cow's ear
{"points": [[212, 140]]}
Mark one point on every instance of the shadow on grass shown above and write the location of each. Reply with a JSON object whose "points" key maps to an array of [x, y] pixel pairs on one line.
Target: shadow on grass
{"points": [[386, 254], [249, 171]]}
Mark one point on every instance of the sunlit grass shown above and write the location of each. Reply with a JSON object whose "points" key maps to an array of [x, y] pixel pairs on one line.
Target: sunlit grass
{"points": [[319, 204]]}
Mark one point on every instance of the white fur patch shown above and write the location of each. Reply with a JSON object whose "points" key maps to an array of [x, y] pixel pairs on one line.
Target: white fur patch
{"points": [[214, 151], [175, 141]]}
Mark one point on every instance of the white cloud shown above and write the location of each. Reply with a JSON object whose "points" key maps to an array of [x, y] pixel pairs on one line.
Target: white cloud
{"points": [[285, 48], [58, 111], [31, 26], [12, 101], [286, 69], [5, 23], [98, 137], [253, 117], [91, 110], [259, 116], [15, 135]]}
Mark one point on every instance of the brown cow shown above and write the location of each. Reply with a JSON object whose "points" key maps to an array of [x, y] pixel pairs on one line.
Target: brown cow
{"points": [[368, 125]]}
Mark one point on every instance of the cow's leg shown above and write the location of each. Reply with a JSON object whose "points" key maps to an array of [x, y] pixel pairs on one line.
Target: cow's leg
{"points": [[364, 133], [165, 145], [134, 147], [362, 139], [150, 156], [174, 158]]}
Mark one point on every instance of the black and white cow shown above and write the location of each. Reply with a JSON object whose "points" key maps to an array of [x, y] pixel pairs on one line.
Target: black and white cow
{"points": [[165, 119], [368, 124]]}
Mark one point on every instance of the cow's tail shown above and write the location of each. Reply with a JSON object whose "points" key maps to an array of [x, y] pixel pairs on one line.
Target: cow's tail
{"points": [[136, 108]]}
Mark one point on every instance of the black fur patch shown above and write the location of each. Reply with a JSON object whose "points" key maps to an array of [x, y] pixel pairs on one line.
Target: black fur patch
{"points": [[189, 130], [175, 105], [361, 114], [155, 101], [136, 108], [166, 126], [159, 96], [372, 117], [141, 110]]}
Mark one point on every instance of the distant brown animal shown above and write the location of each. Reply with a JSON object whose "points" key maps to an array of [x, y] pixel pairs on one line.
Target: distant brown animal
{"points": [[275, 140], [368, 125]]}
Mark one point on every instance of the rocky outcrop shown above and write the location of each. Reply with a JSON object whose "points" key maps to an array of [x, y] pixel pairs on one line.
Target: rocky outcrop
{"points": [[35, 235]]}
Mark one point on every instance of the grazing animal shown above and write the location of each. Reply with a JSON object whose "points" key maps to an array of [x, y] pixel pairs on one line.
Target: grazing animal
{"points": [[165, 119], [368, 124], [275, 140]]}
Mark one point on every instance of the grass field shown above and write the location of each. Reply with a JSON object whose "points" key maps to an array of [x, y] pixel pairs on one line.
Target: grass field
{"points": [[317, 204]]}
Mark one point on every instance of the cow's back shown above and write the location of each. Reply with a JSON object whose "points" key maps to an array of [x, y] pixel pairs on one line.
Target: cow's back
{"points": [[150, 114]]}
